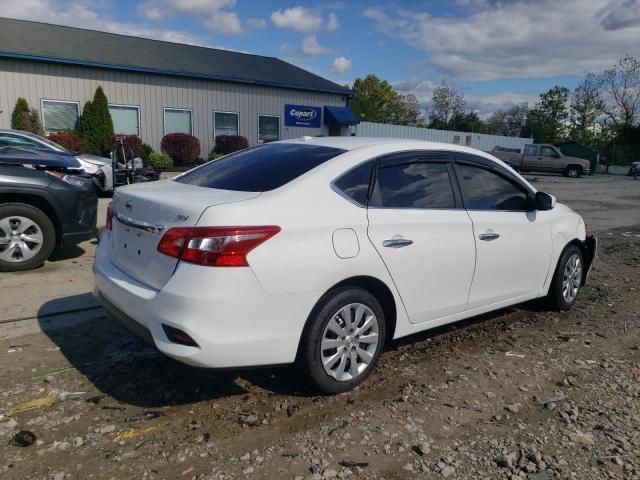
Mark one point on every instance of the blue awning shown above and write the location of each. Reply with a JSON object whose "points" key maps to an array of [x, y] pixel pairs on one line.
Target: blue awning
{"points": [[339, 116]]}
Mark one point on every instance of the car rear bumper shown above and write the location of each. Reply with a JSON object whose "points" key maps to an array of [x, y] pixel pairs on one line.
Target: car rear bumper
{"points": [[225, 310]]}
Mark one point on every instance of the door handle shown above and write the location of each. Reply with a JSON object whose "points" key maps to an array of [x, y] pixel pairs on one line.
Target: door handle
{"points": [[488, 236], [397, 242]]}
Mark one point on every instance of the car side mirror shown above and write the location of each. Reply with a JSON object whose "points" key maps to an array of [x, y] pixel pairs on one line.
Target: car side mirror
{"points": [[544, 201]]}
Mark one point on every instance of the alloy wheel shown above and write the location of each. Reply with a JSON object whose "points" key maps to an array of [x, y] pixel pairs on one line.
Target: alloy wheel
{"points": [[20, 239], [571, 278], [349, 342]]}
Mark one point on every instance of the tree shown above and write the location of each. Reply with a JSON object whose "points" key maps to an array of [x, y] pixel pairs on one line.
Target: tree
{"points": [[497, 123], [97, 125], [622, 84], [376, 100], [547, 118], [409, 111], [36, 123], [447, 106], [469, 122], [516, 118], [17, 117], [586, 106]]}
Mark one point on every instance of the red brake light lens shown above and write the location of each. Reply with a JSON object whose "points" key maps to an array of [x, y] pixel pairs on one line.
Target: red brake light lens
{"points": [[110, 216], [215, 246]]}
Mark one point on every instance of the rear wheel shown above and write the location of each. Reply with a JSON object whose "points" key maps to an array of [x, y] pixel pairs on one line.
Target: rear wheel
{"points": [[343, 340], [567, 279], [573, 171], [27, 237]]}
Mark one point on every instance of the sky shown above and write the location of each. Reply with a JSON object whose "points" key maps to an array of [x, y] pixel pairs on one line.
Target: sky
{"points": [[498, 52]]}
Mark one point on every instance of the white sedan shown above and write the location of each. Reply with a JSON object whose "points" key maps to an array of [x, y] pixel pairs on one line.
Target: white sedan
{"points": [[318, 250]]}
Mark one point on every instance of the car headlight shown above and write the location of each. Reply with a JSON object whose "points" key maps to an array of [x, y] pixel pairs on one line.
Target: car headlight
{"points": [[81, 183]]}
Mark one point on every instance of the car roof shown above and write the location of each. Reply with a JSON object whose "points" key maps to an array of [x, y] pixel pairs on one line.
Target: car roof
{"points": [[353, 143], [11, 130]]}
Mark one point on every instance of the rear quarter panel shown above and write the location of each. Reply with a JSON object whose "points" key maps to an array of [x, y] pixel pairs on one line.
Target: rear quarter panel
{"points": [[301, 257]]}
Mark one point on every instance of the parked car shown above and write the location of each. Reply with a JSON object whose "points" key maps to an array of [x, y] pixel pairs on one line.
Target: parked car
{"points": [[634, 169], [46, 201], [318, 250], [99, 167], [543, 158]]}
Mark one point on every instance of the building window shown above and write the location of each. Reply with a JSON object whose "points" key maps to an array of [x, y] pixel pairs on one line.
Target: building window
{"points": [[177, 120], [126, 119], [60, 116], [225, 123], [268, 128]]}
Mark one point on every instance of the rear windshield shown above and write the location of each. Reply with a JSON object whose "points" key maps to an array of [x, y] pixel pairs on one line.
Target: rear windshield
{"points": [[260, 169]]}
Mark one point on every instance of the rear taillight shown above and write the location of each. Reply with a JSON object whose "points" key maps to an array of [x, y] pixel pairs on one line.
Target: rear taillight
{"points": [[215, 246], [109, 216]]}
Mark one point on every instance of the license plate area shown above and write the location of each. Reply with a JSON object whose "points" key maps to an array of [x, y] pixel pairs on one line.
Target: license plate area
{"points": [[134, 245]]}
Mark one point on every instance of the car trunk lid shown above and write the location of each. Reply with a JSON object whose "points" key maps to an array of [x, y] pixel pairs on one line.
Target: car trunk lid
{"points": [[142, 213]]}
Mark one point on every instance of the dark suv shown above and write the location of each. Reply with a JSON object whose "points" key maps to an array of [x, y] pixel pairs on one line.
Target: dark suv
{"points": [[45, 202]]}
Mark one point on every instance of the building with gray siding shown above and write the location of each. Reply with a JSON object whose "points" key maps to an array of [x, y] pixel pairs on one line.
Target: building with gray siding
{"points": [[157, 87]]}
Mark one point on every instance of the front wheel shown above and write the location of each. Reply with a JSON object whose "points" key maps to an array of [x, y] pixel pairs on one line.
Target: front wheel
{"points": [[343, 340], [27, 237], [567, 279]]}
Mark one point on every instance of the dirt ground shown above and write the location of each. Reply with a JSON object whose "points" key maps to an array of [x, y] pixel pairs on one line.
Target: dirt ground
{"points": [[520, 393]]}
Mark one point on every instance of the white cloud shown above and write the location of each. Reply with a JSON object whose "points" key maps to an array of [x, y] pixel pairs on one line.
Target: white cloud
{"points": [[299, 19], [530, 38], [311, 47], [257, 23], [340, 65], [214, 14], [81, 16], [483, 104], [333, 23]]}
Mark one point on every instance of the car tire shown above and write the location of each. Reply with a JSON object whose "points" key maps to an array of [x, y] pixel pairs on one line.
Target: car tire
{"points": [[331, 369], [573, 171], [567, 279], [33, 241]]}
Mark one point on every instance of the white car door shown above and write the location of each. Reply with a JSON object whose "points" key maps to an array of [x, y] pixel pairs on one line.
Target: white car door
{"points": [[422, 234], [513, 241]]}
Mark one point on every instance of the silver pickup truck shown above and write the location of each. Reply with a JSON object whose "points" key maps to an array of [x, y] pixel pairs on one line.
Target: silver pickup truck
{"points": [[540, 157]]}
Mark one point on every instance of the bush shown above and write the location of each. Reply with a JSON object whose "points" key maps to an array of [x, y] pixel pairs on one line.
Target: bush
{"points": [[133, 141], [97, 126], [183, 148], [35, 124], [146, 152], [160, 161], [226, 144], [20, 113], [69, 140], [213, 155]]}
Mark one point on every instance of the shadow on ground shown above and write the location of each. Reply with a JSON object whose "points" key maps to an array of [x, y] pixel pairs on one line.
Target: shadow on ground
{"points": [[68, 252], [131, 372]]}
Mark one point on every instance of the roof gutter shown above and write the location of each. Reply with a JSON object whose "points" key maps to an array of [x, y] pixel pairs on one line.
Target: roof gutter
{"points": [[173, 73]]}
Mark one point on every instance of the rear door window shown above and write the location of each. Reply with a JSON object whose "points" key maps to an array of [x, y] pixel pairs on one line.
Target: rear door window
{"points": [[416, 184], [260, 169]]}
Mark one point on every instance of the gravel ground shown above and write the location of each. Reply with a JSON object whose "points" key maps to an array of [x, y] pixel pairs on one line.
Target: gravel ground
{"points": [[521, 393]]}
